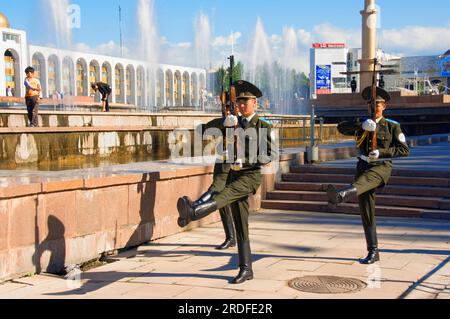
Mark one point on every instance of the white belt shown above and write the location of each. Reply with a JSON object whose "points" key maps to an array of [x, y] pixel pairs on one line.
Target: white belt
{"points": [[237, 166], [370, 161]]}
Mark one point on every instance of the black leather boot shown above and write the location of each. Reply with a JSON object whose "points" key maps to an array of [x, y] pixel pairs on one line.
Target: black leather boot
{"points": [[204, 198], [372, 246], [245, 263], [338, 197], [185, 202], [372, 257], [189, 213], [227, 222]]}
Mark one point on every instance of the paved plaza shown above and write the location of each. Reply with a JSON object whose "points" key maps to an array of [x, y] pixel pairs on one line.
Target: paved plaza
{"points": [[415, 255], [434, 157], [415, 262]]}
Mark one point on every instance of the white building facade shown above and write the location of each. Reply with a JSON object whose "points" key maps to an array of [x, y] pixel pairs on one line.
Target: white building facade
{"points": [[133, 82], [328, 62]]}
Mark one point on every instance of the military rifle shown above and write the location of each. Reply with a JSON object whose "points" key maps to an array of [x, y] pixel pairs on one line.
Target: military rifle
{"points": [[373, 106], [228, 100]]}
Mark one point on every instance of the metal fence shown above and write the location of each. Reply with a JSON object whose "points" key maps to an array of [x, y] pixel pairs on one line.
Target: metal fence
{"points": [[302, 127]]}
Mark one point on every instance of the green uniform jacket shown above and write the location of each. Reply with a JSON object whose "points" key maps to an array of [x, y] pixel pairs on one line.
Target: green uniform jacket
{"points": [[391, 143], [258, 135]]}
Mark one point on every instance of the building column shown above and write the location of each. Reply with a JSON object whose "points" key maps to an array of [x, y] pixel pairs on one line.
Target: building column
{"points": [[172, 93], [135, 86], [163, 89], [199, 91], [45, 72], [369, 42], [2, 71], [113, 84]]}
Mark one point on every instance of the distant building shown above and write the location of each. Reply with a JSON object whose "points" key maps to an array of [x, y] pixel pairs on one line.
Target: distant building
{"points": [[388, 60], [420, 73], [132, 81], [328, 61]]}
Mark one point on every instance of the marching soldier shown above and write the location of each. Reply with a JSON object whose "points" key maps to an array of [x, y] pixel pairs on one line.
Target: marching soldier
{"points": [[374, 167], [244, 178], [221, 170]]}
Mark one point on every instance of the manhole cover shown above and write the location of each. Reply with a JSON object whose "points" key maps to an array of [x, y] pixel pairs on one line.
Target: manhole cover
{"points": [[327, 284]]}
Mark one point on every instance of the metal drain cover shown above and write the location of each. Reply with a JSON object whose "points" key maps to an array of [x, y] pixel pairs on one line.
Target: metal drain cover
{"points": [[327, 285]]}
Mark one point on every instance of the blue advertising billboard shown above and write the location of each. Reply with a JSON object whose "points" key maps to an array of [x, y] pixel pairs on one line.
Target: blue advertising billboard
{"points": [[323, 79], [446, 66]]}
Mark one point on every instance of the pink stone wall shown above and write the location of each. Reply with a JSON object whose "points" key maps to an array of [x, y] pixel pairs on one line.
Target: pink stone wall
{"points": [[46, 226]]}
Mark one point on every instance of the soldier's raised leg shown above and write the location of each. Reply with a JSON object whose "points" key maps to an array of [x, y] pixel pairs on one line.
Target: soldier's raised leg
{"points": [[364, 182], [240, 186]]}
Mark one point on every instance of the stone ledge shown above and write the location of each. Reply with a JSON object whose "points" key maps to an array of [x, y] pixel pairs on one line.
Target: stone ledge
{"points": [[14, 189]]}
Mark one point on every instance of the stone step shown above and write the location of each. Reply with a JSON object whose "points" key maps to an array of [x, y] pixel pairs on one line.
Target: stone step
{"points": [[334, 170], [348, 179], [421, 191], [350, 208], [382, 199]]}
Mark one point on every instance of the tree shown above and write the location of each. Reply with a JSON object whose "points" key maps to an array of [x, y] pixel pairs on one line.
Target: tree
{"points": [[222, 82]]}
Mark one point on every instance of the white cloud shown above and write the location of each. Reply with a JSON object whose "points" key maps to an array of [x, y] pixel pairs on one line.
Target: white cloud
{"points": [[221, 41], [304, 37], [109, 48], [412, 40], [406, 41], [327, 32], [183, 45]]}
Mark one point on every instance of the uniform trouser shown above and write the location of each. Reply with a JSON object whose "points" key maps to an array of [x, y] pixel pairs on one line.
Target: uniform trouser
{"points": [[240, 185], [366, 183], [33, 109], [219, 182], [105, 98]]}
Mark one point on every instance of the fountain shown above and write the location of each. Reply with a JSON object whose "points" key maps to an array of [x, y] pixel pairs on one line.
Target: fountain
{"points": [[63, 41], [260, 53], [275, 77], [288, 61], [202, 30], [149, 42], [58, 15]]}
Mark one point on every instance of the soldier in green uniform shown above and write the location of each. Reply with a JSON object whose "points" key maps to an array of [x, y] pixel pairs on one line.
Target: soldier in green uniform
{"points": [[255, 149], [374, 167], [221, 170]]}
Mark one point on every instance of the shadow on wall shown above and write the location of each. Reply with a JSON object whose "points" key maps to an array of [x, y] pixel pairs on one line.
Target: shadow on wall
{"points": [[55, 244], [144, 231], [51, 251]]}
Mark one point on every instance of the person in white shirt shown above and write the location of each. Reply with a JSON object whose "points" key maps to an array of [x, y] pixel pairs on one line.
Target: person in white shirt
{"points": [[32, 92]]}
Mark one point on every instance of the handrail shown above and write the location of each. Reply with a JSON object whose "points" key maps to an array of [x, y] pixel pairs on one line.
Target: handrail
{"points": [[300, 123]]}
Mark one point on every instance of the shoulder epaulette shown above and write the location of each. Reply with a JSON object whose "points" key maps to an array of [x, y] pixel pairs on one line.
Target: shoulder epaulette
{"points": [[392, 121], [265, 120]]}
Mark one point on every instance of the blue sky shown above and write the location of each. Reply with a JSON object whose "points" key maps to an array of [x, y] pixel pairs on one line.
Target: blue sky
{"points": [[406, 22]]}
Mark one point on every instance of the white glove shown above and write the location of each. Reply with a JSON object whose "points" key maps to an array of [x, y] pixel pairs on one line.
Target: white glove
{"points": [[238, 165], [370, 126], [374, 155], [230, 121]]}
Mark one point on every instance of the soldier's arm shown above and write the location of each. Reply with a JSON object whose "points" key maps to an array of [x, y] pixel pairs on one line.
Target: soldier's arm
{"points": [[216, 123], [271, 152], [350, 128], [399, 147]]}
